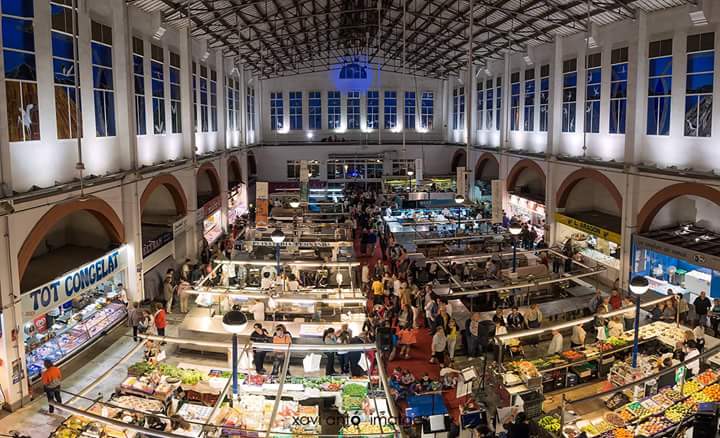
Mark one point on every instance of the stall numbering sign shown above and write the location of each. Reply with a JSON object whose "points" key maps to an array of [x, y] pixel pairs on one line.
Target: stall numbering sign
{"points": [[62, 289]]}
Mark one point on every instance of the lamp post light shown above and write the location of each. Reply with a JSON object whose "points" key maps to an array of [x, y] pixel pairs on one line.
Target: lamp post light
{"points": [[459, 199], [515, 229], [294, 203], [638, 286], [234, 322], [277, 237]]}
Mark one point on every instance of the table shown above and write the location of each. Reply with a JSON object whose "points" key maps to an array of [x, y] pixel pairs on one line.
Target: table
{"points": [[425, 405]]}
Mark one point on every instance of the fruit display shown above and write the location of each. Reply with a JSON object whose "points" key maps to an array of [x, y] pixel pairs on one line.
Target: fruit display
{"points": [[140, 368], [654, 425], [707, 377], [524, 367], [589, 429], [626, 415], [138, 403], [255, 379], [638, 410], [614, 419], [677, 413], [712, 392], [550, 423], [365, 428], [701, 397], [672, 394], [616, 342], [691, 387], [572, 355], [66, 432], [187, 377], [622, 433], [662, 400]]}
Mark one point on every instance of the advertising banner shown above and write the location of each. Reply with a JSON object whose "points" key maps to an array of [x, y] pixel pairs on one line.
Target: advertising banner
{"points": [[497, 188], [261, 201]]}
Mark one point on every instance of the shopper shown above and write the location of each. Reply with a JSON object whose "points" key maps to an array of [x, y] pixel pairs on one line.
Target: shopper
{"points": [[472, 335], [135, 318], [51, 379], [438, 346], [615, 327], [534, 316], [683, 308], [259, 335], [615, 299], [122, 294], [160, 319], [517, 426], [515, 320], [365, 275], [715, 316], [330, 339], [168, 292], [629, 314], [452, 337], [281, 337], [577, 339], [702, 307], [183, 291], [378, 291]]}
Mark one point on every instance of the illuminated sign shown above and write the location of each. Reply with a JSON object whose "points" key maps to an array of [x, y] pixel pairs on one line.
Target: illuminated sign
{"points": [[589, 228], [64, 288]]}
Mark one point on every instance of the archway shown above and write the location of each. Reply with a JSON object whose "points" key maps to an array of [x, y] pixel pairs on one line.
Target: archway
{"points": [[487, 168], [590, 180], [234, 172], [683, 202], [162, 203], [66, 237], [527, 178], [458, 160], [208, 184]]}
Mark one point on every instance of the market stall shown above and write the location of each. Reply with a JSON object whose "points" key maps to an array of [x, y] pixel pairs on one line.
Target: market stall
{"points": [[209, 216], [67, 315], [679, 260], [237, 203], [530, 210]]}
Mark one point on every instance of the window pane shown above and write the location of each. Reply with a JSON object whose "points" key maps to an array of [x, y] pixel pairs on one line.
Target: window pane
{"points": [[101, 55], [661, 66], [19, 65], [700, 62], [619, 72], [705, 116], [62, 46], [618, 89], [102, 78], [699, 83], [19, 8], [570, 80], [18, 34], [63, 72], [659, 86]]}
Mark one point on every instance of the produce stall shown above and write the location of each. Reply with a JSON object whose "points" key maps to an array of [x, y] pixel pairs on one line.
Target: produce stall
{"points": [[655, 414]]}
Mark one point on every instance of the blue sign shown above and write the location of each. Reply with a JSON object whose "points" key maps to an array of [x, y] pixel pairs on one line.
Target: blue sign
{"points": [[63, 289]]}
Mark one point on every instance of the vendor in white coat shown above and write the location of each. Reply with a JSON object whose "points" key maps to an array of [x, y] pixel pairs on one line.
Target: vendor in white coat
{"points": [[556, 343]]}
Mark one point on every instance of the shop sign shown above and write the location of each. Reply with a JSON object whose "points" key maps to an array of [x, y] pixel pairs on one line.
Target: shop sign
{"points": [[261, 202], [153, 245], [179, 227], [497, 188], [694, 257], [64, 288], [40, 324], [589, 228]]}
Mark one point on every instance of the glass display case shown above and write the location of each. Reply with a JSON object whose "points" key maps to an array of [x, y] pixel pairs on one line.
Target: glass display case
{"points": [[68, 333]]}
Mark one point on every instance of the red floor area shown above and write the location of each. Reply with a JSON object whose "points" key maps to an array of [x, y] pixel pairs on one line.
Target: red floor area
{"points": [[418, 363]]}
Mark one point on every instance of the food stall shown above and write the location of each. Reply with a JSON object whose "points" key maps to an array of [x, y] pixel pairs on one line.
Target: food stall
{"points": [[677, 259], [598, 244], [237, 203], [209, 216], [70, 313], [529, 210]]}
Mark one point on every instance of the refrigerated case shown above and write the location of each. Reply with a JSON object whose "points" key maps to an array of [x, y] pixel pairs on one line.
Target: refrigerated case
{"points": [[71, 330]]}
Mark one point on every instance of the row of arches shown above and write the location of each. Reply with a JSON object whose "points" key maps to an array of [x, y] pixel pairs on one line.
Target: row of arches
{"points": [[77, 231], [587, 186]]}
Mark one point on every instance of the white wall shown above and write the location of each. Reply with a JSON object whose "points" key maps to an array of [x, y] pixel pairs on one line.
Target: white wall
{"points": [[688, 209]]}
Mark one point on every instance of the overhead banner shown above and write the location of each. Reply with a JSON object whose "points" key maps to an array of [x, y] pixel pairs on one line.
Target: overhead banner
{"points": [[336, 244], [304, 181], [64, 288], [261, 202], [589, 228], [497, 188]]}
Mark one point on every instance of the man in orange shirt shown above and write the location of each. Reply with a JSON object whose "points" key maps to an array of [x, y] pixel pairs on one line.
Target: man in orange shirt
{"points": [[51, 381]]}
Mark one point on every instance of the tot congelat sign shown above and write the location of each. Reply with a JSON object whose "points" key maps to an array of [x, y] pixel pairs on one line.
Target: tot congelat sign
{"points": [[62, 289]]}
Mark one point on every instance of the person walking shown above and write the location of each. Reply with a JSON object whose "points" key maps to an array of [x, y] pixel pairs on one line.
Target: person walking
{"points": [[702, 307], [135, 317], [452, 338], [472, 334], [439, 345], [168, 293], [160, 319], [51, 379]]}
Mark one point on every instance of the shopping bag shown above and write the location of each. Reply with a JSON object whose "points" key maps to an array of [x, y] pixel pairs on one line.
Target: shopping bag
{"points": [[245, 361], [364, 362], [311, 363], [161, 356], [601, 333]]}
